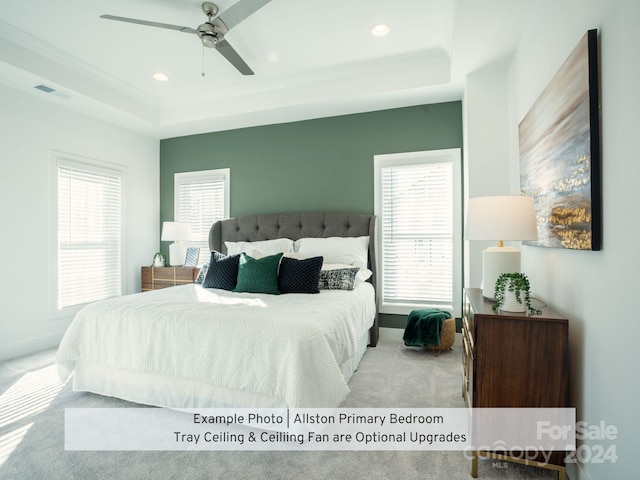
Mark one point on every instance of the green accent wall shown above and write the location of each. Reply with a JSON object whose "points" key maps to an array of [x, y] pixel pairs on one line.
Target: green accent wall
{"points": [[323, 164], [313, 165]]}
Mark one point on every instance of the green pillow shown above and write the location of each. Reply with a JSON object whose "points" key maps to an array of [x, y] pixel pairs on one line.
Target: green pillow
{"points": [[258, 275]]}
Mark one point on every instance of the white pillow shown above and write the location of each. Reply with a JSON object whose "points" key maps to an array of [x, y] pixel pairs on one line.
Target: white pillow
{"points": [[258, 255], [350, 250], [335, 266], [266, 247]]}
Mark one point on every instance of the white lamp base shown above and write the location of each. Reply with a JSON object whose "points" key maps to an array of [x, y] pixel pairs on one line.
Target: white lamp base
{"points": [[496, 261], [177, 254]]}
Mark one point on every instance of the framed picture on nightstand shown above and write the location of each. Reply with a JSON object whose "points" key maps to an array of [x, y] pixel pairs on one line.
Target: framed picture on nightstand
{"points": [[192, 257]]}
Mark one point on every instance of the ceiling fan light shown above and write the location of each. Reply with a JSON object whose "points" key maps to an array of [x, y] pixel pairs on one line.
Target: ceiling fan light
{"points": [[209, 41], [208, 35]]}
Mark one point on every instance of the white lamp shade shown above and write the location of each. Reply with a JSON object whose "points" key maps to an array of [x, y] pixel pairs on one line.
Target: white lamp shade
{"points": [[175, 231], [507, 217]]}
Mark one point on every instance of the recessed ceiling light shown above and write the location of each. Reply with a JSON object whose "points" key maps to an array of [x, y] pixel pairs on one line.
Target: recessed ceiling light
{"points": [[161, 77], [380, 30], [273, 58]]}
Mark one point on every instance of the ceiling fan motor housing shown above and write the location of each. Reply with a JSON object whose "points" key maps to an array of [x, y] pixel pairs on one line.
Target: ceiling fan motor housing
{"points": [[211, 32], [209, 35]]}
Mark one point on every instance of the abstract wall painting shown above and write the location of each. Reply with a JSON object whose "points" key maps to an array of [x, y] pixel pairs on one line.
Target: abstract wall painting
{"points": [[560, 154]]}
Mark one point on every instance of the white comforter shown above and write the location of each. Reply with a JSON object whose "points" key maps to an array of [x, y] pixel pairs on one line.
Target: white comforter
{"points": [[285, 346]]}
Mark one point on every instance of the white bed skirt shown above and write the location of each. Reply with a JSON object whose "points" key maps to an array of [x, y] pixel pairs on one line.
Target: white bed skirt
{"points": [[175, 392]]}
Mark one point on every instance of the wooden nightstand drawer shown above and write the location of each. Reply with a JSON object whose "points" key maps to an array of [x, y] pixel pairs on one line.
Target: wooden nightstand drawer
{"points": [[514, 360], [154, 278], [467, 331], [467, 363]]}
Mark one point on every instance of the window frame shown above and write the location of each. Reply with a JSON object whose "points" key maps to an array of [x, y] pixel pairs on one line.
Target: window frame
{"points": [[197, 176], [452, 156], [90, 165]]}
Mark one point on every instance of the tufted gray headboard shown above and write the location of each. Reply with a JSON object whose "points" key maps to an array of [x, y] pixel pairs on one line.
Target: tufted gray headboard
{"points": [[252, 228]]}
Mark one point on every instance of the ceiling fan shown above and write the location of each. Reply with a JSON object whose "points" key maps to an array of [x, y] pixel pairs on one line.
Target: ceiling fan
{"points": [[212, 31]]}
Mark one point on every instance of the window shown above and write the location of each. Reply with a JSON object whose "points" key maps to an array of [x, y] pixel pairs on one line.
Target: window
{"points": [[89, 231], [417, 202], [202, 198]]}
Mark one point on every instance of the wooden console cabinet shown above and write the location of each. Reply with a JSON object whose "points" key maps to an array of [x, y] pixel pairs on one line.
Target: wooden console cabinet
{"points": [[513, 360], [154, 278]]}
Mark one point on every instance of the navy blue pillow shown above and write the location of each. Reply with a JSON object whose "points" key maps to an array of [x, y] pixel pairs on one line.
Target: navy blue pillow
{"points": [[222, 272], [299, 276]]}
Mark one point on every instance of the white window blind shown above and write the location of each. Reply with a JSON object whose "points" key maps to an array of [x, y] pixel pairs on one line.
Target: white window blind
{"points": [[89, 233], [415, 207], [202, 198]]}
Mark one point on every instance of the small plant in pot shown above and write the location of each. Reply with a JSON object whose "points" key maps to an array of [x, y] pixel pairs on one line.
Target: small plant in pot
{"points": [[512, 293], [159, 260]]}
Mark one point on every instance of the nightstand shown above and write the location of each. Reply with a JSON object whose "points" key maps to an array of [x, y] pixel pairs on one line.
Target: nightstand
{"points": [[514, 360], [155, 278]]}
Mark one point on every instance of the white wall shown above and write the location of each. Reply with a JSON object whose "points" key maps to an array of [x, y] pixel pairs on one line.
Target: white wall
{"points": [[30, 129], [596, 290], [486, 149]]}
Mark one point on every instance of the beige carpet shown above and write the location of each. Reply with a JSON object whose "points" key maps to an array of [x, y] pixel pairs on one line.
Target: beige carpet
{"points": [[32, 406]]}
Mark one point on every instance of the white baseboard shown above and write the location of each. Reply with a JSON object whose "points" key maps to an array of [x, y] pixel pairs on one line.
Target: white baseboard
{"points": [[27, 347]]}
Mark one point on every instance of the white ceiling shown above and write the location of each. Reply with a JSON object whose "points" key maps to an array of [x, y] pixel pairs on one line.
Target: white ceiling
{"points": [[311, 58]]}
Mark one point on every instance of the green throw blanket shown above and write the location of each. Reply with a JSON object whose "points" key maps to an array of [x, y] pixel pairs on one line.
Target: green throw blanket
{"points": [[424, 327]]}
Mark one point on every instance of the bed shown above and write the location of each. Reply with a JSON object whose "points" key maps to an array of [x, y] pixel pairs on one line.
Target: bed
{"points": [[202, 345]]}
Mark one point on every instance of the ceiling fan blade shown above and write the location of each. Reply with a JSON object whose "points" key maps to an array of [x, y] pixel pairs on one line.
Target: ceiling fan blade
{"points": [[150, 24], [232, 56], [241, 10]]}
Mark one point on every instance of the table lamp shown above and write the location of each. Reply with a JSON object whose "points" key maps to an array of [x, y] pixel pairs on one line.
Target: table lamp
{"points": [[177, 232], [508, 217]]}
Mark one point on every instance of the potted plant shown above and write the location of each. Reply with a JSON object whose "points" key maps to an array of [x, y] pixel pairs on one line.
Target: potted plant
{"points": [[159, 260], [512, 293]]}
